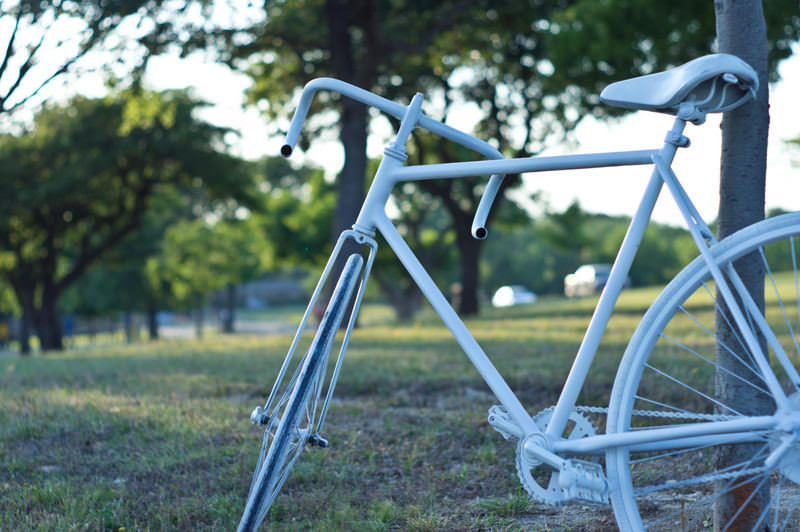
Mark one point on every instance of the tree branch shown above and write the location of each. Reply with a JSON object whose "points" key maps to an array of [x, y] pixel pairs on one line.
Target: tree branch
{"points": [[89, 254], [9, 51]]}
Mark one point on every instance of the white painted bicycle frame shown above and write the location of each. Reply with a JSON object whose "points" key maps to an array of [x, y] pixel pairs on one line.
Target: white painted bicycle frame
{"points": [[373, 218]]}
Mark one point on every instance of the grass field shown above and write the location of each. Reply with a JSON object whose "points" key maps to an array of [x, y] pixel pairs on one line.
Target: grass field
{"points": [[157, 436]]}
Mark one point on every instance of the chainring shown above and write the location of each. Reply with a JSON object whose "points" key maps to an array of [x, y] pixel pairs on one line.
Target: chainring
{"points": [[540, 481]]}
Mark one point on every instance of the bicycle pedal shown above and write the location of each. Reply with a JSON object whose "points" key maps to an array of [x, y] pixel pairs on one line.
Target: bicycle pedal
{"points": [[318, 441], [501, 421], [584, 482]]}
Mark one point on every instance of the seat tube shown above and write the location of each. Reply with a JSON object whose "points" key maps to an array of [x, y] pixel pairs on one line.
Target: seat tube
{"points": [[608, 298]]}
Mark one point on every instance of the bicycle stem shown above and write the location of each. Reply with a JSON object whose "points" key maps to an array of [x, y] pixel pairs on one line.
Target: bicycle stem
{"points": [[399, 111]]}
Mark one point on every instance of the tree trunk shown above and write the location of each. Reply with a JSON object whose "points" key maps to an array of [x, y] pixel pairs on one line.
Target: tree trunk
{"points": [[26, 323], [741, 31], [47, 323], [199, 316], [351, 182], [229, 310], [152, 323], [470, 251], [342, 19], [129, 326], [404, 296]]}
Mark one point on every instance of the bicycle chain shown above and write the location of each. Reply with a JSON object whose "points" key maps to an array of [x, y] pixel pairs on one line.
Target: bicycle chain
{"points": [[659, 414]]}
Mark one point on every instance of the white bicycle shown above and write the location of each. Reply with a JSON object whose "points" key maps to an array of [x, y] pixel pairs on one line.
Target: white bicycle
{"points": [[680, 450]]}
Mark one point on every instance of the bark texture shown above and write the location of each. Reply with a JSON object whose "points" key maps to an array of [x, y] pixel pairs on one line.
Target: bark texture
{"points": [[741, 31]]}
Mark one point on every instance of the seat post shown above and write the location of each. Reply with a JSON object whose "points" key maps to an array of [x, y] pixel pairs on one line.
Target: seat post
{"points": [[675, 136]]}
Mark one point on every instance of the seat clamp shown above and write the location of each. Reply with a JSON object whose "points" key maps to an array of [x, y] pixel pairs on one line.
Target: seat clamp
{"points": [[676, 139]]}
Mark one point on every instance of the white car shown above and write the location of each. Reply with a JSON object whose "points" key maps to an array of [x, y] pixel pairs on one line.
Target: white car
{"points": [[588, 279], [510, 295]]}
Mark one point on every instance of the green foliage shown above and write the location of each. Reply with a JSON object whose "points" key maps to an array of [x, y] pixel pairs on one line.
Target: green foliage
{"points": [[593, 43], [540, 255], [197, 258], [117, 281], [85, 177], [294, 215], [535, 68], [8, 303]]}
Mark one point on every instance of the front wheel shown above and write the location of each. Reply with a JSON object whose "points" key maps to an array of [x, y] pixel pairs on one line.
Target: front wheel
{"points": [[292, 423], [679, 369]]}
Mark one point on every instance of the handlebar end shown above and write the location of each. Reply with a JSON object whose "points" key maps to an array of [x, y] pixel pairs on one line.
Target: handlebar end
{"points": [[480, 233], [286, 150]]}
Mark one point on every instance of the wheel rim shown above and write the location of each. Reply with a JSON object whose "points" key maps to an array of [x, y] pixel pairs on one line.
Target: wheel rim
{"points": [[294, 415], [680, 489]]}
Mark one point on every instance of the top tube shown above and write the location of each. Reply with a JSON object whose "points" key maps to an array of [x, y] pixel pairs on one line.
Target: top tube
{"points": [[522, 165]]}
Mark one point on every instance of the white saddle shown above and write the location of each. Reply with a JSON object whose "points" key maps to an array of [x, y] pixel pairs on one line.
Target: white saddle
{"points": [[712, 83]]}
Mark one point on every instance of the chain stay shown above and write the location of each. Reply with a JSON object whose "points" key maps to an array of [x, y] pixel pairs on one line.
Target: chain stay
{"points": [[702, 479]]}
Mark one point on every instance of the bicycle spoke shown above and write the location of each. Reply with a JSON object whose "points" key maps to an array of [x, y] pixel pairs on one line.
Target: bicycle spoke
{"points": [[670, 454], [777, 506], [712, 363], [735, 480], [688, 356], [733, 518], [789, 515], [734, 332], [692, 389], [795, 382], [720, 343]]}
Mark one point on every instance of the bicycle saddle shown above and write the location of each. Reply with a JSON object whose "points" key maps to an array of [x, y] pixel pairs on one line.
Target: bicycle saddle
{"points": [[712, 83]]}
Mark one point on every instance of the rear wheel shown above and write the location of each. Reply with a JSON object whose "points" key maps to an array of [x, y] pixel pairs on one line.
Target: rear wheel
{"points": [[292, 422], [677, 371]]}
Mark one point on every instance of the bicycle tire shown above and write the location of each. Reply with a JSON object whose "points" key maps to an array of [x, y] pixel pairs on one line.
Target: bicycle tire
{"points": [[284, 437], [668, 370]]}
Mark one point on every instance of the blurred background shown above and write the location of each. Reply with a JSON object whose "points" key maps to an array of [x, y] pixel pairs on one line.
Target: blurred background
{"points": [[142, 194]]}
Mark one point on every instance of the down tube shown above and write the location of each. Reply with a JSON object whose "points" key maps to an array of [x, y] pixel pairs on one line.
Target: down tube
{"points": [[460, 332]]}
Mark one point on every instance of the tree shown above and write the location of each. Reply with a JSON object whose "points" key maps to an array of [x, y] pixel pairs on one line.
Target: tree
{"points": [[381, 47], [82, 179], [418, 219], [47, 39], [366, 43], [742, 31], [198, 258], [294, 213], [591, 48], [591, 44], [117, 281], [375, 45]]}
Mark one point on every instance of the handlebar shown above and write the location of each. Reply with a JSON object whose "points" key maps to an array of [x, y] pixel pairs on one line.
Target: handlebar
{"points": [[397, 110]]}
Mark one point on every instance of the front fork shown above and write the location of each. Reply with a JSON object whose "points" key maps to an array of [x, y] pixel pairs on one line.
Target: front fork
{"points": [[263, 415]]}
